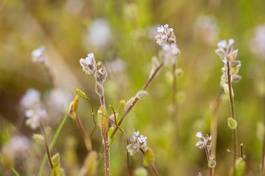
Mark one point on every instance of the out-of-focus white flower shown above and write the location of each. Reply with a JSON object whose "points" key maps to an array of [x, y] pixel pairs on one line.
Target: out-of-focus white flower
{"points": [[204, 141], [165, 35], [170, 53], [206, 29], [137, 142], [18, 146], [257, 43], [166, 39], [35, 117], [57, 101], [30, 99], [116, 66], [99, 33], [228, 55], [88, 64], [38, 55], [33, 109]]}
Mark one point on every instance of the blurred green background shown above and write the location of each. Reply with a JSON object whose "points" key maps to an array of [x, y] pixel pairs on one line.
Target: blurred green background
{"points": [[123, 30]]}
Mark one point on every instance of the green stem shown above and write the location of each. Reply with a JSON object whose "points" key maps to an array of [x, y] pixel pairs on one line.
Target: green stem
{"points": [[53, 142]]}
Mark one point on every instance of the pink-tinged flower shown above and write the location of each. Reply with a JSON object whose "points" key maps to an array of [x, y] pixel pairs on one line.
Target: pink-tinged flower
{"points": [[88, 64]]}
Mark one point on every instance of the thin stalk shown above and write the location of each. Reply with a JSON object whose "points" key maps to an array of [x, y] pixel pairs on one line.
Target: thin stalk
{"points": [[174, 92], [146, 85], [84, 134], [49, 73], [235, 135], [214, 126], [211, 170], [105, 138], [52, 144], [46, 146]]}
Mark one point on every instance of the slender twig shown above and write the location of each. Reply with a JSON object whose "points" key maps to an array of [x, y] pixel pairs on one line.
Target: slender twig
{"points": [[49, 73], [84, 134], [174, 92], [214, 123], [52, 144], [105, 138], [235, 134], [128, 161], [46, 146], [146, 85], [151, 77]]}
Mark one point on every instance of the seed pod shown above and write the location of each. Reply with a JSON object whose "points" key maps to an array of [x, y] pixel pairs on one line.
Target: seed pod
{"points": [[73, 107], [232, 123]]}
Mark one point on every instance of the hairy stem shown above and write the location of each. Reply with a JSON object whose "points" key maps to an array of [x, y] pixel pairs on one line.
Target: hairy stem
{"points": [[105, 140], [146, 85], [231, 97]]}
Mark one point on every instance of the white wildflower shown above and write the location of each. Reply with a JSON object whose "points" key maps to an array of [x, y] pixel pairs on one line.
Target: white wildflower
{"points": [[88, 64], [18, 146], [38, 55], [99, 33], [206, 29], [204, 141], [30, 99], [137, 142], [170, 53], [33, 109], [166, 39], [228, 55], [35, 117], [57, 101], [165, 35]]}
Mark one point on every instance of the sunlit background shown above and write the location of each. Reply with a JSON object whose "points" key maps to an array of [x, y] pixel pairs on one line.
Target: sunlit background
{"points": [[121, 34]]}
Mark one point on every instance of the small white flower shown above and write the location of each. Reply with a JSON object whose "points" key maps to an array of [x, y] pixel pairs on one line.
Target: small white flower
{"points": [[88, 64], [170, 53], [38, 55], [165, 35], [99, 33], [206, 29], [18, 146], [57, 101], [30, 99], [35, 117], [137, 142], [204, 141], [199, 134], [228, 55]]}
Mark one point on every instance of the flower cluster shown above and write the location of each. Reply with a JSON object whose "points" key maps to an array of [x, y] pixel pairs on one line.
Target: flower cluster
{"points": [[33, 109], [206, 29], [204, 142], [38, 55], [91, 67], [166, 39], [137, 142], [228, 55], [18, 146]]}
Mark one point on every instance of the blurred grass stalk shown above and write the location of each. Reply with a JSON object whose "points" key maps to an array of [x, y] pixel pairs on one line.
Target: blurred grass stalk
{"points": [[53, 142]]}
